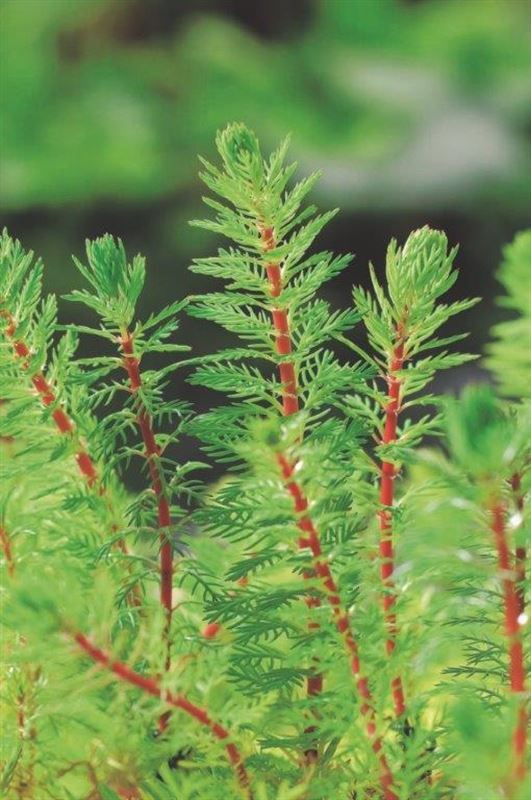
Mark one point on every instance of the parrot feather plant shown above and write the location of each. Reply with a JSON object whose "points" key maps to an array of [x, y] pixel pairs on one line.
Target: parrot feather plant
{"points": [[343, 613]]}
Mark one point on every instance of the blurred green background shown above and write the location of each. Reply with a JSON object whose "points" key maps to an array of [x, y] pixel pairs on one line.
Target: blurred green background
{"points": [[416, 112]]}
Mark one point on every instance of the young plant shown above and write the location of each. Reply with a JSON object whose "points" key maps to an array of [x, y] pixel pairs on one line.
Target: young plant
{"points": [[486, 444], [270, 300], [509, 358], [402, 322], [115, 286]]}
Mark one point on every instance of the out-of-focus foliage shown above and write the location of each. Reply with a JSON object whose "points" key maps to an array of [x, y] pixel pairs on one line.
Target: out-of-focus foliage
{"points": [[399, 102], [510, 352]]}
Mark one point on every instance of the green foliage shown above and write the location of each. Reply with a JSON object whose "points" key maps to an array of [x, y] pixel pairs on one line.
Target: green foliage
{"points": [[403, 322], [479, 434], [260, 206], [277, 564], [116, 284], [463, 583], [509, 355], [21, 289]]}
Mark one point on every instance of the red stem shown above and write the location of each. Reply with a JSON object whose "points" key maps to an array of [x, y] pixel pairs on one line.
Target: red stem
{"points": [[388, 473], [152, 453], [283, 343], [512, 631], [150, 686], [5, 544], [47, 396], [521, 554], [289, 393], [310, 539]]}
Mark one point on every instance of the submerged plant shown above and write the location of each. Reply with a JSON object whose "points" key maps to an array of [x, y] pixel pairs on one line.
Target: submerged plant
{"points": [[343, 613]]}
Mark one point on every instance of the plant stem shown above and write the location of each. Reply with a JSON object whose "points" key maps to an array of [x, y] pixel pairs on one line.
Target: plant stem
{"points": [[283, 343], [520, 552], [150, 686], [152, 452], [290, 398], [310, 539], [513, 634], [5, 544], [48, 398], [388, 474]]}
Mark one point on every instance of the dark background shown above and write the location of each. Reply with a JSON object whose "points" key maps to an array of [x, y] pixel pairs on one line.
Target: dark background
{"points": [[416, 112]]}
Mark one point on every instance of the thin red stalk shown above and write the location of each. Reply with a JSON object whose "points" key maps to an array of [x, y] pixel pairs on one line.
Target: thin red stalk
{"points": [[283, 343], [47, 396], [150, 686], [5, 544], [310, 539], [520, 552], [289, 393], [152, 453], [512, 631], [387, 476]]}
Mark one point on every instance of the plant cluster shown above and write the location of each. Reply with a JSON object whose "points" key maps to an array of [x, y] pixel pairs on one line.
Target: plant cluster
{"points": [[343, 613]]}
